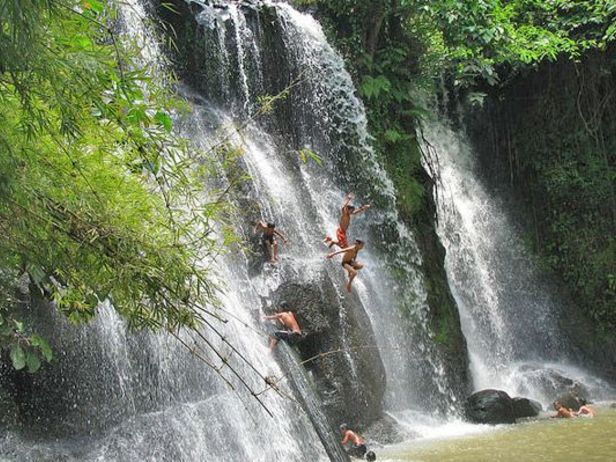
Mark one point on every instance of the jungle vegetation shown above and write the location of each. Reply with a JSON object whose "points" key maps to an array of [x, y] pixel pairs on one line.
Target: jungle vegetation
{"points": [[99, 199]]}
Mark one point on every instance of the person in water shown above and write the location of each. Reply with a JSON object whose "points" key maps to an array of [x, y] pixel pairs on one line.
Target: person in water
{"points": [[286, 317], [358, 446], [349, 260], [268, 238], [584, 411], [346, 212], [562, 412]]}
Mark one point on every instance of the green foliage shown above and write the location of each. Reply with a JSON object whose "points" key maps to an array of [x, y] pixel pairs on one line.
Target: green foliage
{"points": [[98, 198], [305, 154], [556, 150], [401, 48], [473, 38]]}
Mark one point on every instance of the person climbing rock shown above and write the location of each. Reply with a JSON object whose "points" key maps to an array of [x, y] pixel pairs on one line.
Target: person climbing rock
{"points": [[286, 317], [349, 260], [358, 445], [346, 212], [268, 238]]}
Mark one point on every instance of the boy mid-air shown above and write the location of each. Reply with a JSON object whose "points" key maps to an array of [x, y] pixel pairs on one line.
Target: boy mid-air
{"points": [[346, 212], [349, 260]]}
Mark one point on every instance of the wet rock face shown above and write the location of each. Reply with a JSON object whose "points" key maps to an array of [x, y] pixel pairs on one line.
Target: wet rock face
{"points": [[489, 407], [572, 400], [551, 383], [348, 374]]}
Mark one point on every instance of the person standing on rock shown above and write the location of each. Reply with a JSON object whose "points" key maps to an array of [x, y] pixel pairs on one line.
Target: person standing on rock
{"points": [[349, 260], [286, 317], [358, 448], [268, 238], [346, 212]]}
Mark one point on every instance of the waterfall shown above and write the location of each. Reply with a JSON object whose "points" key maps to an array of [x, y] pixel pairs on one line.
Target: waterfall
{"points": [[508, 307], [118, 395]]}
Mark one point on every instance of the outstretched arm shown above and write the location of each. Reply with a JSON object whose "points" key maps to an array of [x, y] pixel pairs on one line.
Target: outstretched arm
{"points": [[258, 225], [346, 249], [272, 317], [361, 209], [278, 233]]}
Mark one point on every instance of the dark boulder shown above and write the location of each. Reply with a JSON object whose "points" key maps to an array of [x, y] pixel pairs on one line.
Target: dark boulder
{"points": [[349, 377], [524, 407], [489, 407], [573, 399]]}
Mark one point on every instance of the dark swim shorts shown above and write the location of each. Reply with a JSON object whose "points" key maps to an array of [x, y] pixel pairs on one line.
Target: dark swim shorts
{"points": [[350, 262], [358, 450], [287, 335], [267, 238]]}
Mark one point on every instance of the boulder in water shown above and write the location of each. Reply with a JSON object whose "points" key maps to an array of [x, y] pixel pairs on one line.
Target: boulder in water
{"points": [[524, 407], [489, 407], [573, 399]]}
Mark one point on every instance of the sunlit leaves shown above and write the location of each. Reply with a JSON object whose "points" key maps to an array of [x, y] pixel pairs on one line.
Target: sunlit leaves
{"points": [[99, 199], [305, 154]]}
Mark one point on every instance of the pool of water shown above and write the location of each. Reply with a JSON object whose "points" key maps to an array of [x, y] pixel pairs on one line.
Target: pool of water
{"points": [[549, 440]]}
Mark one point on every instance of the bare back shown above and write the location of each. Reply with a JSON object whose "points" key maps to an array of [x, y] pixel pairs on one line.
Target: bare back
{"points": [[345, 217], [350, 254], [287, 318]]}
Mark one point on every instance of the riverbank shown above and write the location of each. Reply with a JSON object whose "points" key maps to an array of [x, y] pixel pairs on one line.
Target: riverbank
{"points": [[538, 440]]}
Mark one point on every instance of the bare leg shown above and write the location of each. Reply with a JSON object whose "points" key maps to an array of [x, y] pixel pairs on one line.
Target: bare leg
{"points": [[272, 343], [330, 242], [275, 246], [270, 251], [352, 274]]}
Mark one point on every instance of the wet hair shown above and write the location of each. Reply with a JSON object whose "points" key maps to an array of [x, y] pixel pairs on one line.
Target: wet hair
{"points": [[359, 241], [370, 456], [284, 304], [557, 404], [350, 207], [343, 427], [271, 225]]}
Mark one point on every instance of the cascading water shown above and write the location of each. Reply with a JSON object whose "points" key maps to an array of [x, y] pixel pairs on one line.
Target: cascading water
{"points": [[116, 395], [322, 112], [508, 309]]}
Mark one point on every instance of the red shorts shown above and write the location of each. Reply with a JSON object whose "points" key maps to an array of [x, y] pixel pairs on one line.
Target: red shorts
{"points": [[341, 238]]}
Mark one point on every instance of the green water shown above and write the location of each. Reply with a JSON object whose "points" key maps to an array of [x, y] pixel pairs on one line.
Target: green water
{"points": [[580, 439]]}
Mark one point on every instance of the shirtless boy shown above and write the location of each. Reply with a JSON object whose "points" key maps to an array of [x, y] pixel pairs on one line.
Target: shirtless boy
{"points": [[349, 260], [358, 449], [268, 238], [346, 212], [585, 411], [561, 411], [286, 317]]}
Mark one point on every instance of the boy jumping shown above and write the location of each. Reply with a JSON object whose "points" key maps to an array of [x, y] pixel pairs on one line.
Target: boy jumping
{"points": [[349, 260], [346, 212]]}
